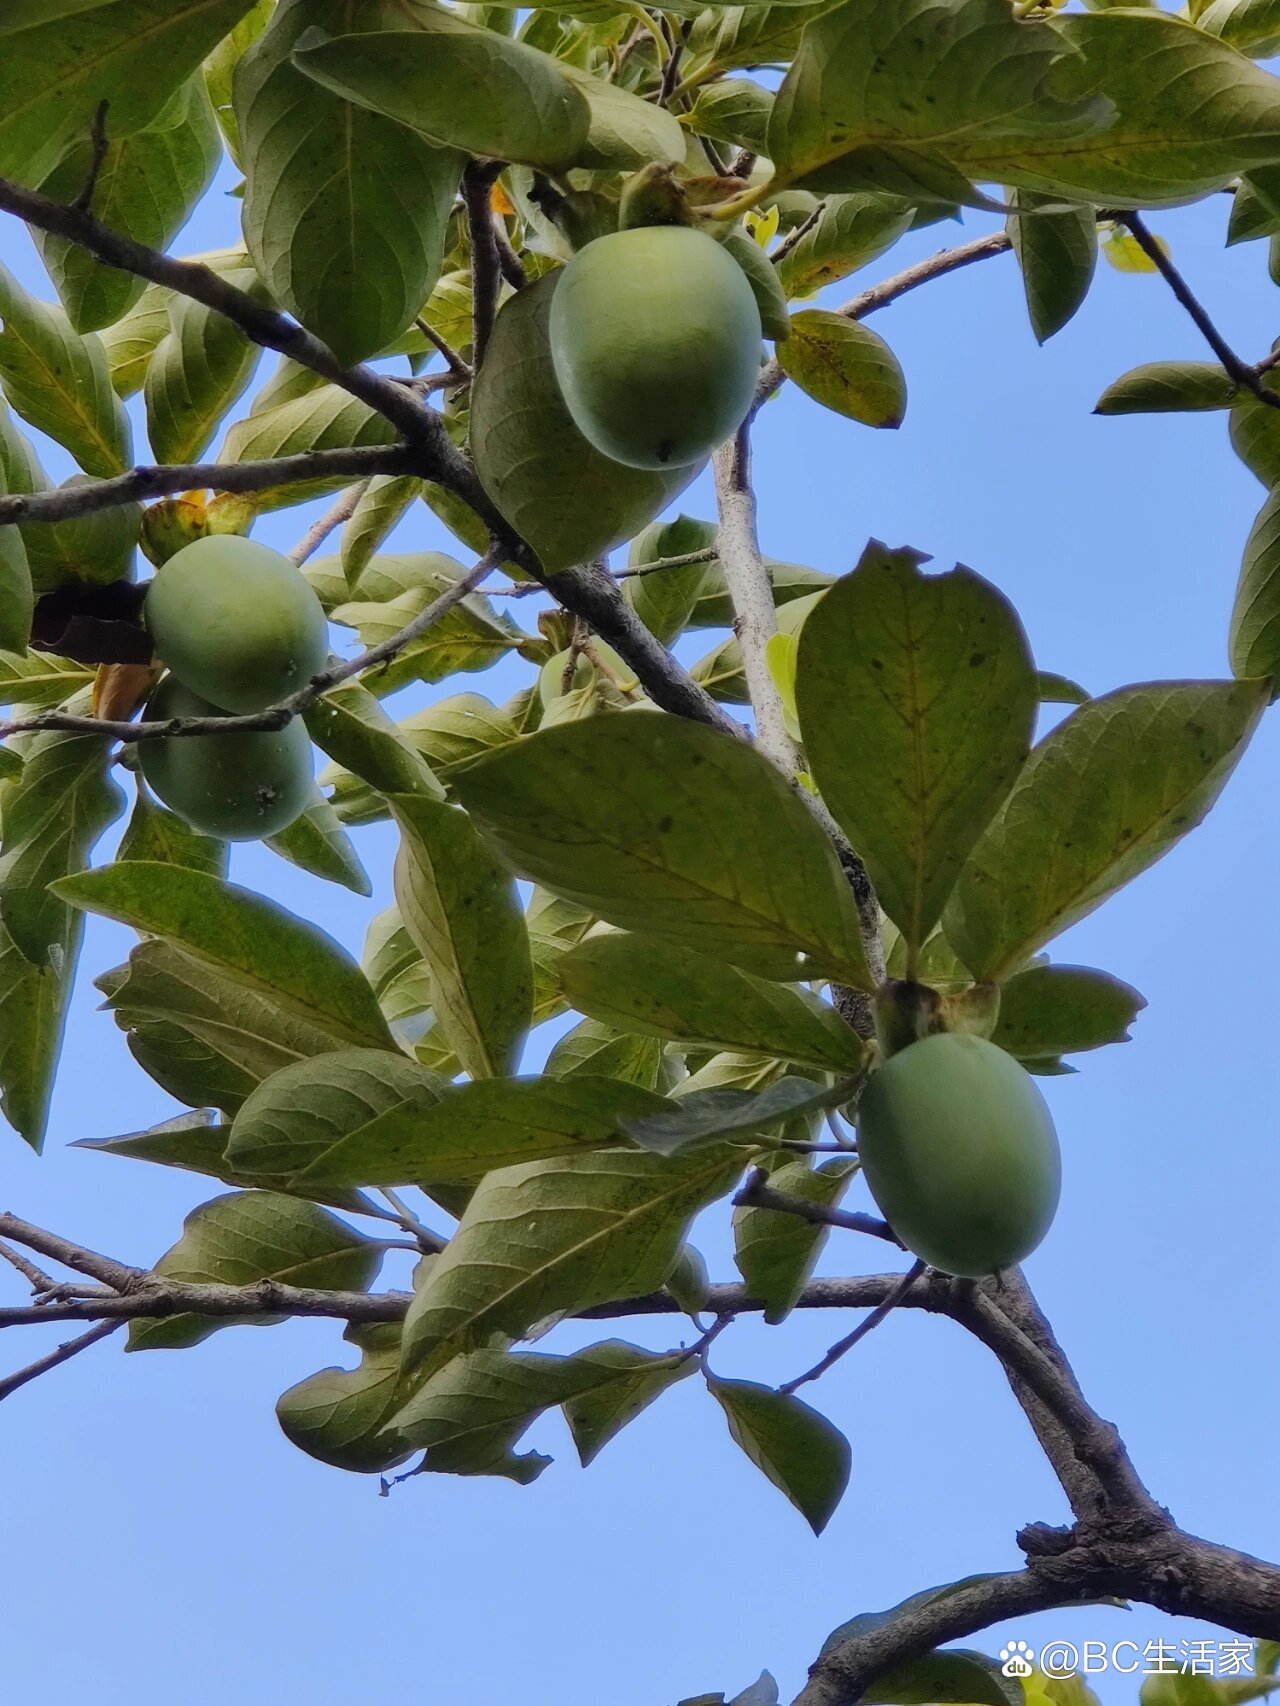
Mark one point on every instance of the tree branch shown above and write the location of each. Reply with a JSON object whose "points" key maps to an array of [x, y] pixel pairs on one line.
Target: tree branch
{"points": [[873, 1320], [750, 586], [147, 481], [759, 1193], [343, 509], [1240, 371], [10, 1383], [881, 295], [486, 267]]}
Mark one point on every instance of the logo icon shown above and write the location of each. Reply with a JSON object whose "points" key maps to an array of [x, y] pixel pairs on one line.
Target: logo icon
{"points": [[1016, 1659]]}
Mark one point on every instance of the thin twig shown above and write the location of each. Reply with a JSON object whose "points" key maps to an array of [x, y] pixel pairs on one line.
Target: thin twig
{"points": [[274, 716], [759, 1193], [1238, 370], [685, 560], [671, 70], [511, 264], [789, 242], [319, 531], [64, 1353], [97, 156], [35, 1277], [68, 1255], [859, 1333], [457, 365]]}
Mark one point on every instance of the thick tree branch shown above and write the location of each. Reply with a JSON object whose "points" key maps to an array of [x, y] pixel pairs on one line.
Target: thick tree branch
{"points": [[486, 264], [147, 481], [261, 324], [750, 586]]}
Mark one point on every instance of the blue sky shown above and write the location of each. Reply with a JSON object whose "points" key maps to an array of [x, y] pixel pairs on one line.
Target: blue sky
{"points": [[165, 1543]]}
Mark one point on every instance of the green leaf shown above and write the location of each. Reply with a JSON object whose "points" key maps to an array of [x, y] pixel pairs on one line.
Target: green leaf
{"points": [[554, 925], [344, 210], [17, 598], [360, 1098], [351, 726], [1085, 816], [733, 110], [1053, 1010], [1146, 110], [460, 908], [777, 1253], [1251, 26], [637, 983], [553, 1237], [1254, 646], [40, 679], [633, 1380], [1254, 429], [337, 1415], [395, 968], [248, 1237], [850, 232], [623, 131], [700, 1115], [325, 418], [805, 1456], [10, 764], [1255, 207], [204, 1035], [845, 367], [456, 83], [131, 342], [951, 1674], [1058, 690], [316, 842], [594, 1050], [483, 1127], [384, 501], [664, 599], [567, 500], [771, 299], [672, 828], [54, 812], [917, 699], [60, 60], [243, 936], [199, 368], [93, 549], [879, 86], [147, 186], [469, 1415], [1057, 253], [161, 836], [1159, 387], [59, 381]]}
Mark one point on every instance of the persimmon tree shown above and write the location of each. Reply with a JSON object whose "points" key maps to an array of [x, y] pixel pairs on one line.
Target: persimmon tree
{"points": [[757, 881]]}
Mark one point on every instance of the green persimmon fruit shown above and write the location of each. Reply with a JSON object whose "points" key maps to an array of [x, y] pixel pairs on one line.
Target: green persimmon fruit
{"points": [[655, 337], [960, 1153], [238, 787], [559, 493], [236, 622]]}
